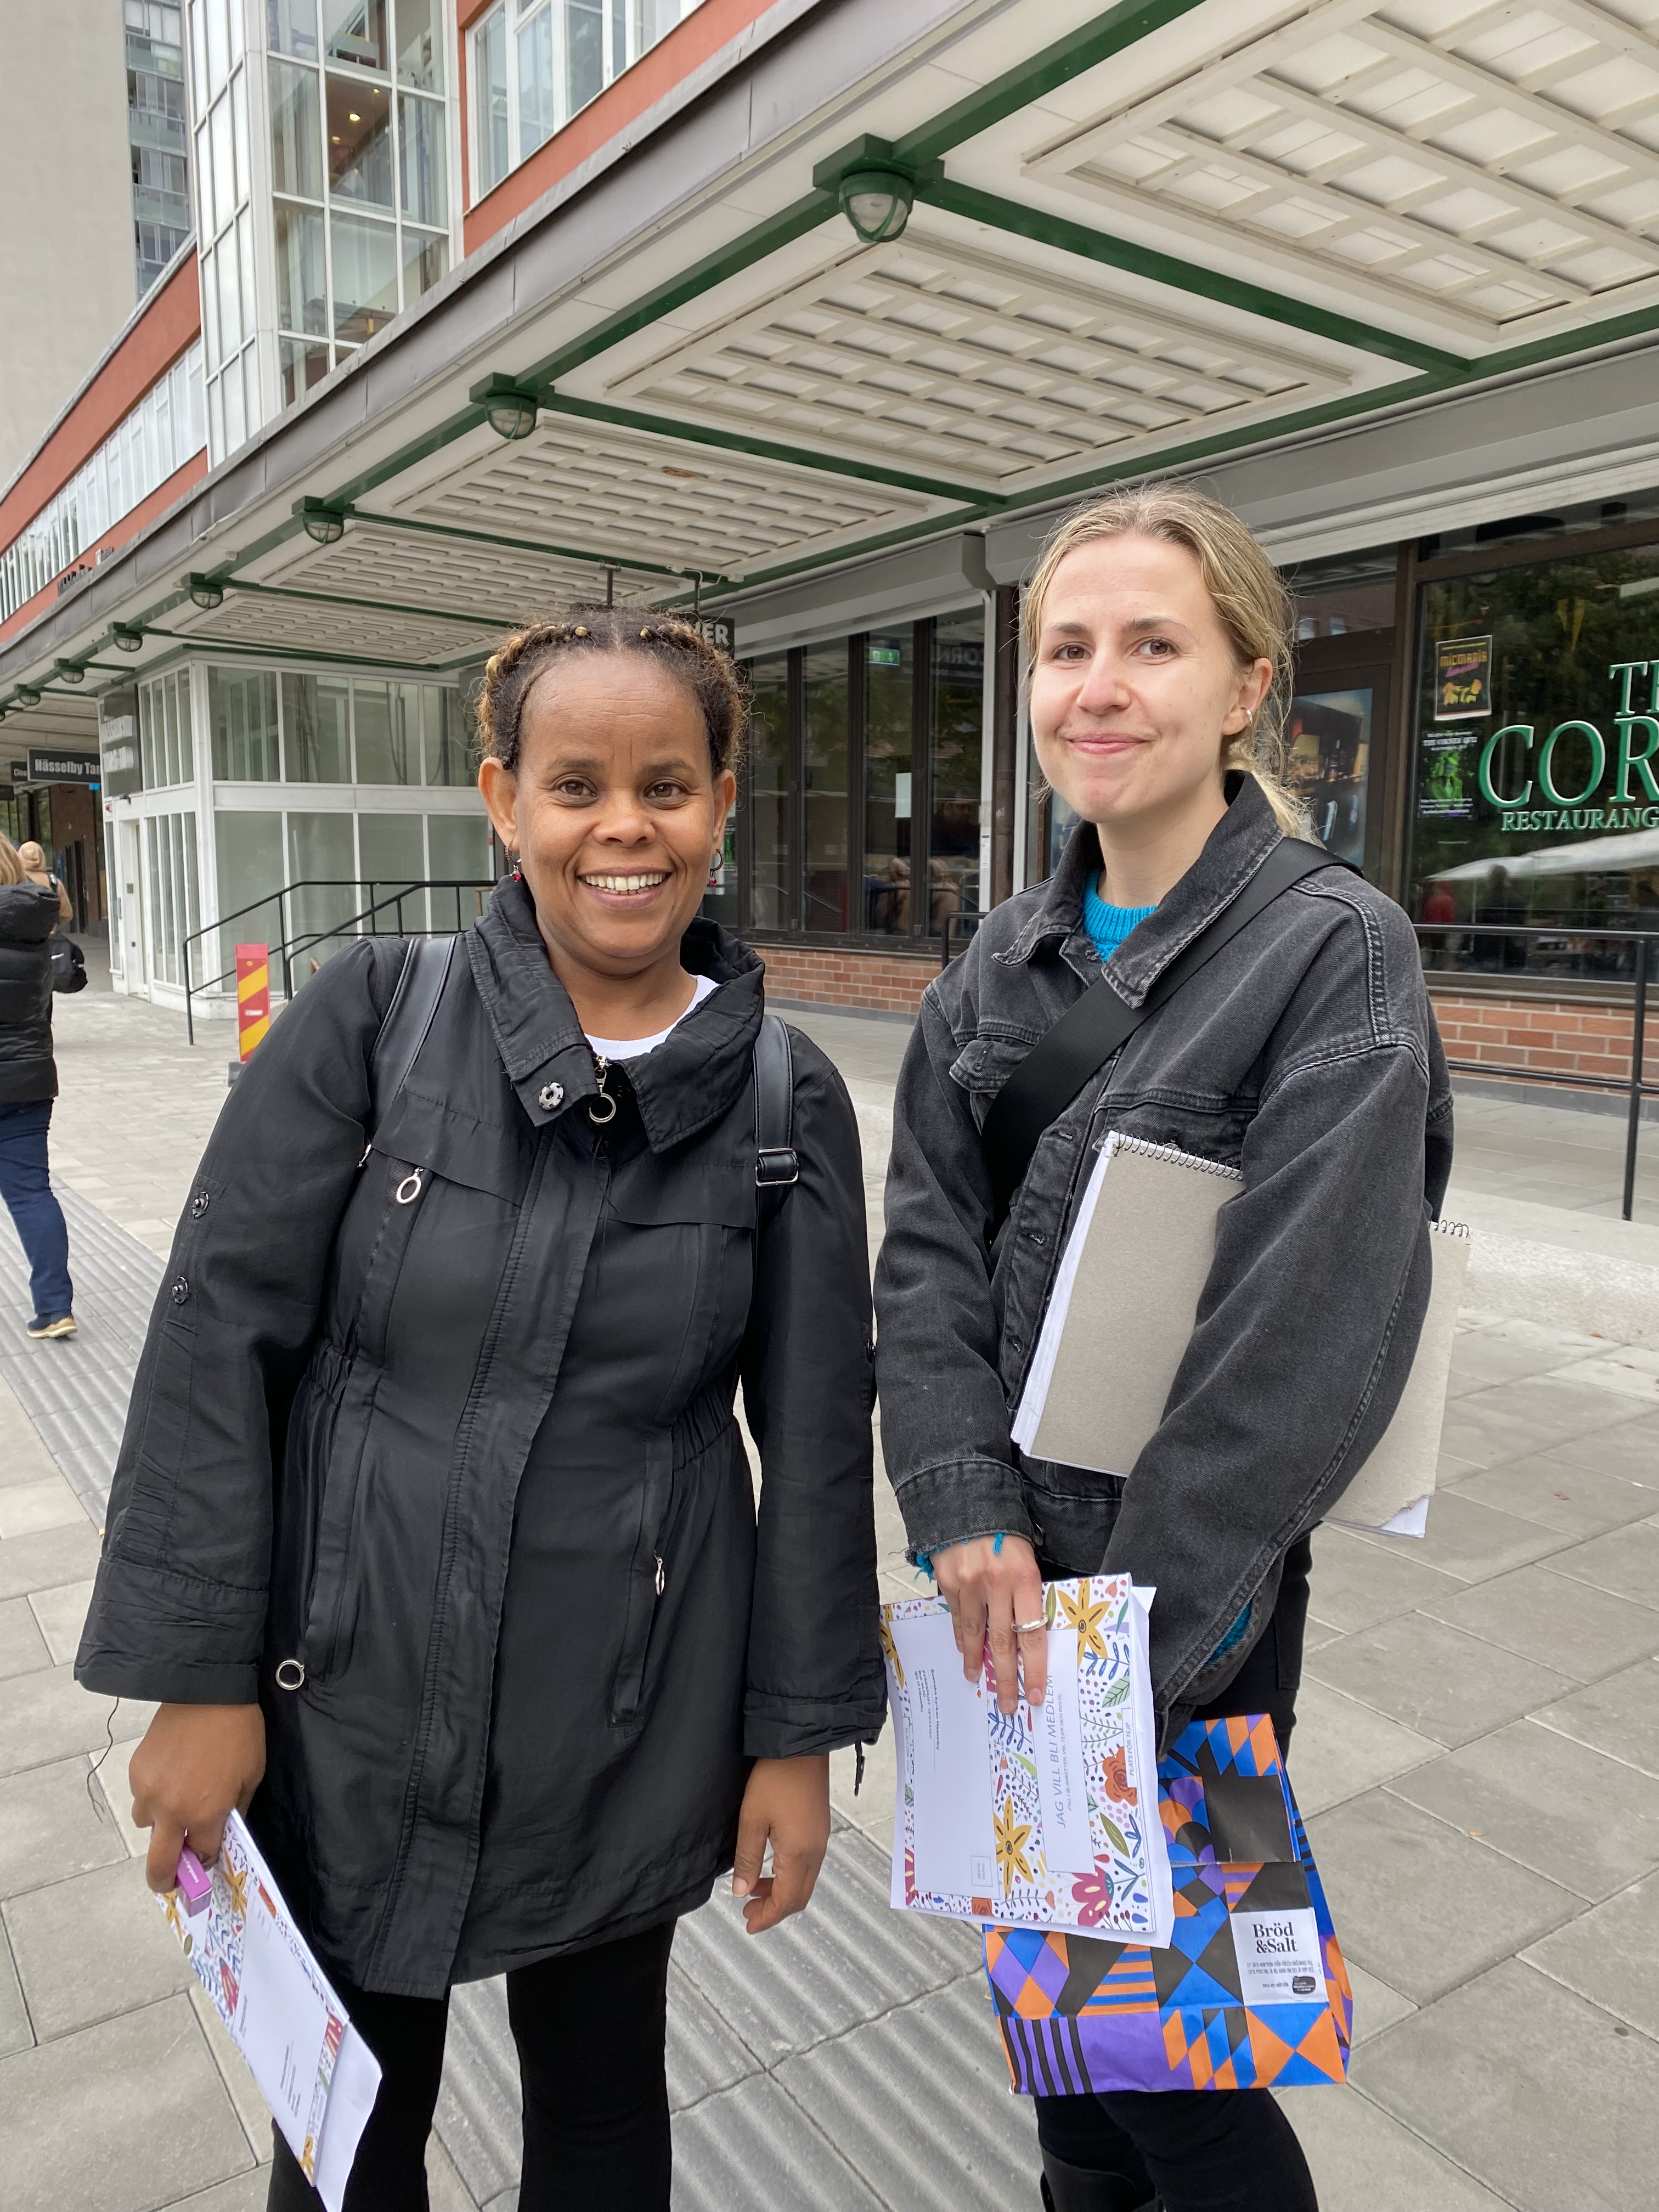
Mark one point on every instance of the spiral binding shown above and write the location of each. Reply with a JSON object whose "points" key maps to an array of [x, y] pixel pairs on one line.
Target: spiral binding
{"points": [[1115, 1140]]}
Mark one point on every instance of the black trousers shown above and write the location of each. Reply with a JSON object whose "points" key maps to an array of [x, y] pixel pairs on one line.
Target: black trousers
{"points": [[590, 2029], [1203, 2150]]}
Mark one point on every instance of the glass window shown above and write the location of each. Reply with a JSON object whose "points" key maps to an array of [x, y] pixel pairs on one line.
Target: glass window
{"points": [[218, 42], [365, 275], [448, 753], [489, 72], [421, 44], [249, 850], [890, 695], [458, 851], [355, 31], [958, 723], [322, 859], [316, 729], [296, 145], [224, 166], [824, 781], [769, 793], [239, 130], [291, 27], [230, 314], [535, 57], [388, 733], [170, 851], [1536, 800], [391, 856], [426, 259], [301, 290], [584, 53], [359, 141], [235, 417], [300, 367], [242, 717], [423, 160]]}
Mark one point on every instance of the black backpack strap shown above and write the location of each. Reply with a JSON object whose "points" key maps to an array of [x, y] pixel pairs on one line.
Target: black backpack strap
{"points": [[408, 1019], [777, 1165], [1088, 1033]]}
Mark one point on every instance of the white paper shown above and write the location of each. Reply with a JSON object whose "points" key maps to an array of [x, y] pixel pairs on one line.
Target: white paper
{"points": [[1145, 1739], [1410, 1520], [351, 2100], [1277, 1955], [309, 2063], [1062, 1785], [954, 1849]]}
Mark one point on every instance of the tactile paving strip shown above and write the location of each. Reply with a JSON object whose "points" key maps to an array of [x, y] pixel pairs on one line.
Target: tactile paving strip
{"points": [[75, 1389]]}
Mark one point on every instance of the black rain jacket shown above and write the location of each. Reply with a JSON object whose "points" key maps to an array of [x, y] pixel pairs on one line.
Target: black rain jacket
{"points": [[511, 1536], [1304, 1054], [28, 914]]}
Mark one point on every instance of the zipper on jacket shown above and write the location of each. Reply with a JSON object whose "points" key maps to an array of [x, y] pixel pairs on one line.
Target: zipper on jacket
{"points": [[601, 1069]]}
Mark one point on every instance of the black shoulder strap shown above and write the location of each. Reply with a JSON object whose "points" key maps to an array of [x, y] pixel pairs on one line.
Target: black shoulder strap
{"points": [[1087, 1034], [408, 1019], [777, 1166]]}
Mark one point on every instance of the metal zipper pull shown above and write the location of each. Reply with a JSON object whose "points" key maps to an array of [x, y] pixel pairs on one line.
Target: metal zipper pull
{"points": [[661, 1576], [601, 1069], [410, 1188]]}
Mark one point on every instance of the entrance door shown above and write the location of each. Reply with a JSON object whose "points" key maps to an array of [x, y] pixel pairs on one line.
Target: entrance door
{"points": [[130, 909]]}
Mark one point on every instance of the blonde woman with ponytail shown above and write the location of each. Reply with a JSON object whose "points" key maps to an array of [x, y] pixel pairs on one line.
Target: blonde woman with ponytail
{"points": [[1302, 1053]]}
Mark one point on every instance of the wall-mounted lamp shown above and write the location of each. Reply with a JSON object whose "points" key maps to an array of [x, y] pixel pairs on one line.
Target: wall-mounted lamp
{"points": [[26, 696], [205, 592], [509, 409], [326, 525], [129, 637], [71, 671]]}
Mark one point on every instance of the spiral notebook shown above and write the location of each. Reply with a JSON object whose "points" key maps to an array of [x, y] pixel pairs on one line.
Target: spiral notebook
{"points": [[1122, 1311]]}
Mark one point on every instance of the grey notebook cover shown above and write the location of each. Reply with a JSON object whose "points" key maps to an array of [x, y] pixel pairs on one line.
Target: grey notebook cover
{"points": [[1124, 1304]]}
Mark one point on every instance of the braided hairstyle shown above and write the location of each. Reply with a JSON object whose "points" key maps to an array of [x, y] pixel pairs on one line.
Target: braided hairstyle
{"points": [[679, 647]]}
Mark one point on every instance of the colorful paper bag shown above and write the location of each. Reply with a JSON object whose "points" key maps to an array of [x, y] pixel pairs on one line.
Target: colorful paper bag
{"points": [[1252, 1993]]}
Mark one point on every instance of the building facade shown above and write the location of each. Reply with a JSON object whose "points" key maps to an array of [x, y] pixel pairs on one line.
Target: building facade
{"points": [[809, 317]]}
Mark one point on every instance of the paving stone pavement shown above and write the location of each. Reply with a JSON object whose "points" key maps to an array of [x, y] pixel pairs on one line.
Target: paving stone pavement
{"points": [[1477, 1753]]}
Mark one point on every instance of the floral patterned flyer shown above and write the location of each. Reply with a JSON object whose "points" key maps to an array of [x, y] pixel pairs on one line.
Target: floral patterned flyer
{"points": [[1046, 1817]]}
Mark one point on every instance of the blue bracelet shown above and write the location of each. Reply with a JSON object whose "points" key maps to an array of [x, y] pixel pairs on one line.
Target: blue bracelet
{"points": [[925, 1559]]}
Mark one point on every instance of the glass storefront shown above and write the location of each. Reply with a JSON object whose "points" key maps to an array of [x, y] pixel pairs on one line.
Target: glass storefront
{"points": [[1534, 798], [862, 784]]}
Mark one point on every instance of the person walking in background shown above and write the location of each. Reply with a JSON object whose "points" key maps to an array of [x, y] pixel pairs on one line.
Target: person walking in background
{"points": [[34, 859], [1303, 1055], [28, 1084]]}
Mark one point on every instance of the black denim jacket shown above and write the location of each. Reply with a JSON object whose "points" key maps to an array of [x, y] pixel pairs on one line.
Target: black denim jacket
{"points": [[1304, 1054]]}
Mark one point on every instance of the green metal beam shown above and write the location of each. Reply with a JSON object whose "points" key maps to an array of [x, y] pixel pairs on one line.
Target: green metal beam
{"points": [[764, 449], [1079, 50], [777, 231], [1189, 276]]}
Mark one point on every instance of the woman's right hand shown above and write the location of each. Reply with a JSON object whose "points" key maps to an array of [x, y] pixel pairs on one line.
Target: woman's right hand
{"points": [[988, 1590], [195, 1765]]}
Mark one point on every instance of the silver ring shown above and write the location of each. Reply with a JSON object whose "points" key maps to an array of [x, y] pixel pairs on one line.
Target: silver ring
{"points": [[1029, 1627]]}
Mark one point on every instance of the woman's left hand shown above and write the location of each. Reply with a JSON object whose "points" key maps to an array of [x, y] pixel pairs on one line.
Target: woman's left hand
{"points": [[788, 1800]]}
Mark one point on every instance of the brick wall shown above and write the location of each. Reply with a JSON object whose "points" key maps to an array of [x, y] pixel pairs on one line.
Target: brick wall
{"points": [[1543, 1033], [884, 983]]}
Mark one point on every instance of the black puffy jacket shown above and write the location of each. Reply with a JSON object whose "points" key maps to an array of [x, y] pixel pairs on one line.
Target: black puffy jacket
{"points": [[511, 1536], [28, 914]]}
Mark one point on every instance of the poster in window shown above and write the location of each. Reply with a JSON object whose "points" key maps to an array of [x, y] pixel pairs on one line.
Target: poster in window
{"points": [[1463, 678], [1445, 774]]}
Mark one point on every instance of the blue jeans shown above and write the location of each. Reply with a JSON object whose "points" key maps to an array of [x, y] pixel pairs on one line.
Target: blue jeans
{"points": [[26, 1186]]}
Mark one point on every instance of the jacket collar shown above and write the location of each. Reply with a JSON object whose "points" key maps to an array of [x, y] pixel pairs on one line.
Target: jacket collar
{"points": [[686, 1084], [1232, 853]]}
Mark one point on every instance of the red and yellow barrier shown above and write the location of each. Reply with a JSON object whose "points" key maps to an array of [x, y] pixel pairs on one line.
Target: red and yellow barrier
{"points": [[253, 995]]}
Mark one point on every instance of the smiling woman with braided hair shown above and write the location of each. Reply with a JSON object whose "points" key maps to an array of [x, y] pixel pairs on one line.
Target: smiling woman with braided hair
{"points": [[432, 1529]]}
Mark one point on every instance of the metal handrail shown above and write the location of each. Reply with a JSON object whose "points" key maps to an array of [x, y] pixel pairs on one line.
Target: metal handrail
{"points": [[292, 946], [961, 914], [1634, 1085]]}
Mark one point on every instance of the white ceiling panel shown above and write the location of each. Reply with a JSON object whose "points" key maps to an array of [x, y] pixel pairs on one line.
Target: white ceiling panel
{"points": [[934, 356], [1498, 162]]}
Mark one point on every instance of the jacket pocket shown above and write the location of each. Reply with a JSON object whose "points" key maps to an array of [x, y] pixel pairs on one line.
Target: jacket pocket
{"points": [[1074, 1512], [163, 1403], [647, 1578]]}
